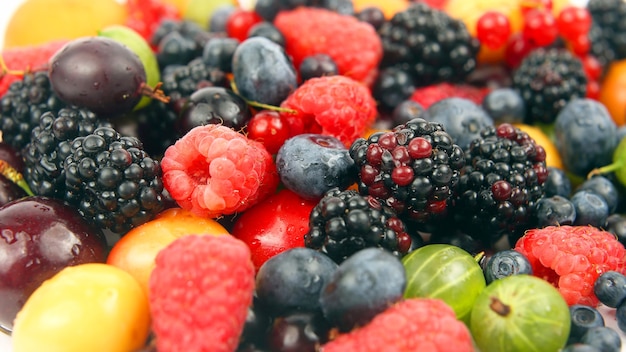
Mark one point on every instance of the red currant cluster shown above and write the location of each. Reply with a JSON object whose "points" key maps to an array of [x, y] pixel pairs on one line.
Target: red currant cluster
{"points": [[542, 28]]}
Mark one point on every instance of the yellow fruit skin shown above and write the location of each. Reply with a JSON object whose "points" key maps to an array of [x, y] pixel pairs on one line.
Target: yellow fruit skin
{"points": [[613, 91], [89, 307], [40, 21], [553, 158]]}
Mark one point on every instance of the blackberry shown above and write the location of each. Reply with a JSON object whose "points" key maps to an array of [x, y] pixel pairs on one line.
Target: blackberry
{"points": [[180, 82], [609, 15], [180, 41], [600, 48], [500, 184], [344, 222], [547, 79], [22, 106], [156, 127], [413, 169], [430, 44], [112, 181], [50, 144]]}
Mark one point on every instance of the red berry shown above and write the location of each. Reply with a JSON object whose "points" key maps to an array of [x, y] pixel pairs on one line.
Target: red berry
{"points": [[501, 190], [239, 23], [516, 49], [428, 95], [593, 67], [493, 29], [593, 89], [574, 21], [201, 286], [540, 27], [580, 45], [145, 16], [268, 128], [572, 258]]}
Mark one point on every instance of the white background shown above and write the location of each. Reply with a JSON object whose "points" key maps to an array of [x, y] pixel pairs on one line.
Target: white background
{"points": [[6, 10]]}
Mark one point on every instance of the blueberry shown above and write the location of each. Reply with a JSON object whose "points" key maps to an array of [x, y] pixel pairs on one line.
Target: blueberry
{"points": [[174, 48], [215, 105], [610, 288], [218, 52], [461, 118], [505, 105], [372, 15], [580, 347], [616, 224], [263, 72], [603, 187], [583, 318], [555, 210], [620, 315], [219, 17], [293, 279], [557, 183], [584, 135], [603, 338], [392, 86], [312, 164], [318, 65], [506, 263], [591, 209], [363, 285], [267, 30], [407, 111], [267, 9]]}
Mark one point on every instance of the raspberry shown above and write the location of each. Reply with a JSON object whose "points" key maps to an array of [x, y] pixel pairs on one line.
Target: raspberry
{"points": [[213, 170], [354, 46], [428, 95], [416, 324], [200, 291], [572, 258], [337, 106], [28, 58]]}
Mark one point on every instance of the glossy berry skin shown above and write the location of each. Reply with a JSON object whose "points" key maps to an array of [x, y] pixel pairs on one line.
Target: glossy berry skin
{"points": [[555, 210], [363, 285], [239, 23], [267, 30], [407, 111], [372, 15], [591, 209], [263, 72], [257, 325], [540, 27], [298, 332], [461, 118], [293, 280], [269, 128], [573, 21], [214, 105], [218, 52], [312, 164], [392, 86], [583, 318], [610, 288], [317, 65], [493, 29], [620, 314], [603, 338], [275, 225], [505, 105], [506, 263], [99, 74], [41, 236], [603, 187], [616, 224], [557, 183]]}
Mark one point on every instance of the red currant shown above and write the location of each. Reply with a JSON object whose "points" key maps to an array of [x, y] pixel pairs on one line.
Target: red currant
{"points": [[516, 49], [580, 46], [593, 89], [574, 21], [540, 27], [593, 67], [239, 23], [268, 128], [493, 29]]}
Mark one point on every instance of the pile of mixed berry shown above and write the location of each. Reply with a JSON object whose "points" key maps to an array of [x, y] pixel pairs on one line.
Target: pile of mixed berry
{"points": [[319, 176]]}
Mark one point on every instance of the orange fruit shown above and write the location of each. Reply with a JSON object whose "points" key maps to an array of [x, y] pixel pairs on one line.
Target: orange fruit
{"points": [[469, 11], [613, 91], [389, 7], [40, 21], [553, 158]]}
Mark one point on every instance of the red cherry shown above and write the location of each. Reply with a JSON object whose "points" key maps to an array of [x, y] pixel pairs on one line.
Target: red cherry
{"points": [[516, 49], [573, 21], [540, 27], [269, 128], [239, 23], [493, 29]]}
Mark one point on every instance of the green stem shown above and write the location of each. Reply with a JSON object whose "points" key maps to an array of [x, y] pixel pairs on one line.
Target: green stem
{"points": [[14, 176], [605, 169], [259, 105]]}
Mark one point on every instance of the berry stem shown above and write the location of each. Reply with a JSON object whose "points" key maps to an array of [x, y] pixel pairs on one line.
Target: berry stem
{"points": [[606, 169], [256, 104], [14, 176], [499, 307], [154, 93], [4, 70]]}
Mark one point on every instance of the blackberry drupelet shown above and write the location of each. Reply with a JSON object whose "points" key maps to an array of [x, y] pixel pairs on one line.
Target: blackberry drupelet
{"points": [[600, 48], [156, 127], [413, 169], [112, 181], [609, 16], [547, 79], [430, 44], [500, 184], [50, 144], [344, 222], [22, 106], [180, 82]]}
